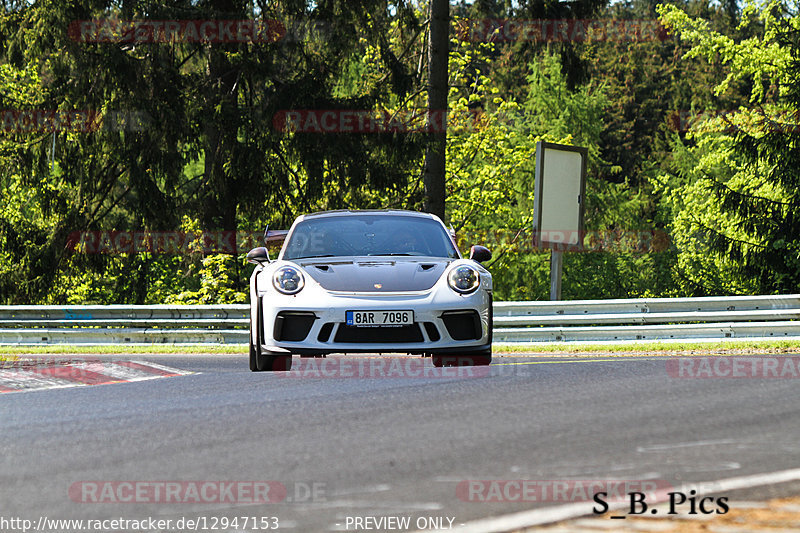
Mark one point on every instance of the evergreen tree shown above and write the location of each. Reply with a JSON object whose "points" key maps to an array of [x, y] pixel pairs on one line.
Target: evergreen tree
{"points": [[770, 250], [741, 190]]}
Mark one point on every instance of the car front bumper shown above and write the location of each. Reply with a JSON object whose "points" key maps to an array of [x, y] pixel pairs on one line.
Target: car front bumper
{"points": [[444, 323]]}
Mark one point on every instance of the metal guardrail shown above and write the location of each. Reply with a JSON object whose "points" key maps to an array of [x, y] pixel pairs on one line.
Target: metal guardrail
{"points": [[124, 324], [562, 321], [653, 319]]}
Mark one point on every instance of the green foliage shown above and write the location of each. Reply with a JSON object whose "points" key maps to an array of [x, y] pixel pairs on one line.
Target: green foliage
{"points": [[217, 283], [735, 192], [491, 182], [762, 58], [695, 215], [207, 149], [207, 155]]}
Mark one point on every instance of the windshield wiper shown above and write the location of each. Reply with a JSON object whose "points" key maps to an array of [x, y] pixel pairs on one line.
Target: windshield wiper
{"points": [[315, 256]]}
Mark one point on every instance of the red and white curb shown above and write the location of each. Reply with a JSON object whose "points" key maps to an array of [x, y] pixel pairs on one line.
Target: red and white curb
{"points": [[19, 376]]}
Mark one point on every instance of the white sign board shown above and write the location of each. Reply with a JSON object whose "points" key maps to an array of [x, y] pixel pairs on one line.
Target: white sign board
{"points": [[559, 195]]}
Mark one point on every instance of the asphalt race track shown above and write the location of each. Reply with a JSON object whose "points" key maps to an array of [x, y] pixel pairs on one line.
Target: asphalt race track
{"points": [[327, 445]]}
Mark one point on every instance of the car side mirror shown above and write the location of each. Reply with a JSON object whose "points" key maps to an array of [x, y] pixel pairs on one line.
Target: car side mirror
{"points": [[479, 253], [258, 256]]}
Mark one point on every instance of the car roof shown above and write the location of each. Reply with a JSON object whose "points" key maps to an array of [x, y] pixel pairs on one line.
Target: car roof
{"points": [[401, 212], [345, 212]]}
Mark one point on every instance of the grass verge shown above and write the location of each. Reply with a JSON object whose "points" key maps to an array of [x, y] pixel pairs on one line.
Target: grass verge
{"points": [[55, 349], [737, 347]]}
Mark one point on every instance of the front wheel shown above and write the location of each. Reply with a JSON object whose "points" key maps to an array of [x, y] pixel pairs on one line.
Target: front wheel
{"points": [[266, 362], [253, 359], [269, 362], [274, 362]]}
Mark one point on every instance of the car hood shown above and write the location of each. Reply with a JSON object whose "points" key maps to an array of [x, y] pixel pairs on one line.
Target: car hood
{"points": [[372, 274]]}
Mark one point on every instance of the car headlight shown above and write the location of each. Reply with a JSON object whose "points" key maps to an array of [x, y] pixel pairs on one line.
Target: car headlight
{"points": [[288, 280], [464, 279]]}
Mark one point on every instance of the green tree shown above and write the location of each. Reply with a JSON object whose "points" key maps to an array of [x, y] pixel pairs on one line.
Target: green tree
{"points": [[491, 161], [741, 184], [208, 149]]}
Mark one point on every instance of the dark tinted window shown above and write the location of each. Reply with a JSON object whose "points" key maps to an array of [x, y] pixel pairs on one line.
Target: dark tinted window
{"points": [[369, 235]]}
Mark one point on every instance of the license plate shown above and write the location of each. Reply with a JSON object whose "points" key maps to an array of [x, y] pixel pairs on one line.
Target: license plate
{"points": [[379, 318]]}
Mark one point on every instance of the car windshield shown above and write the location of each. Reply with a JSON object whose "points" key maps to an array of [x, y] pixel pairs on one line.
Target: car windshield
{"points": [[369, 235]]}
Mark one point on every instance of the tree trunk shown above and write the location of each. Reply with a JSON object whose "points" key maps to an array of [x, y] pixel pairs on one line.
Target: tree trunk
{"points": [[219, 140], [220, 128], [438, 48]]}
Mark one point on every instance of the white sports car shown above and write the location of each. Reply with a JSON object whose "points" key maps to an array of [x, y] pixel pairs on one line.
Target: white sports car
{"points": [[370, 281]]}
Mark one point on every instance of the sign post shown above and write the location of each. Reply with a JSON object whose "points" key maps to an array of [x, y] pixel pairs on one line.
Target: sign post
{"points": [[555, 274], [558, 204]]}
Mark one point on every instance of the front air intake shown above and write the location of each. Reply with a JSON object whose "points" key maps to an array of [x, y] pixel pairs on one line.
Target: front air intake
{"points": [[293, 326], [463, 325]]}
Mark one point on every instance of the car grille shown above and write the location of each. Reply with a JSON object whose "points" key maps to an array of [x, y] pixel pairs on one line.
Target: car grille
{"points": [[378, 334]]}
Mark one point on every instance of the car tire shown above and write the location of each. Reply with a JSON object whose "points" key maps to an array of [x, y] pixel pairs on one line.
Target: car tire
{"points": [[253, 358], [269, 362], [254, 348], [483, 358], [273, 362], [266, 362]]}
